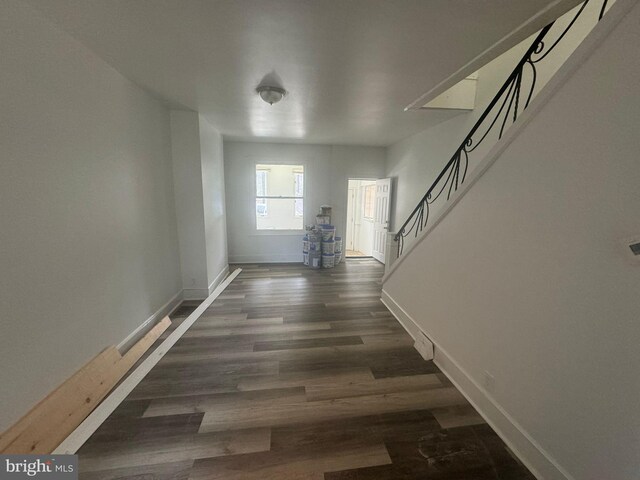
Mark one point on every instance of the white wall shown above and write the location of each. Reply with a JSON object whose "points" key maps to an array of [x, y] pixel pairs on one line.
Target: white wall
{"points": [[189, 200], [327, 170], [213, 188], [88, 238], [198, 169], [527, 277]]}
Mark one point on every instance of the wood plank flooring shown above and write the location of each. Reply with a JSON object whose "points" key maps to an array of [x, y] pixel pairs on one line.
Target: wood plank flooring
{"points": [[299, 374]]}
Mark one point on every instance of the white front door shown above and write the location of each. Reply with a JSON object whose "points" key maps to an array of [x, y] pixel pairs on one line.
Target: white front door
{"points": [[381, 218]]}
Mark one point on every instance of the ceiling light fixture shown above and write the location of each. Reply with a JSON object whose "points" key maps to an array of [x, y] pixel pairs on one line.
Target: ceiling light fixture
{"points": [[271, 95]]}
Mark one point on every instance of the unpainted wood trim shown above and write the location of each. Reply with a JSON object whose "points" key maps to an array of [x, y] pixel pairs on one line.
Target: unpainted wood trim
{"points": [[165, 310], [82, 433], [49, 422]]}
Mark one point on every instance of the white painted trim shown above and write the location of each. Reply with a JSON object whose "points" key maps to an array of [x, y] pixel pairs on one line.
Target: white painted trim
{"points": [[551, 12], [202, 293], [539, 462], [219, 278], [591, 42], [82, 433], [166, 309], [268, 258], [403, 317]]}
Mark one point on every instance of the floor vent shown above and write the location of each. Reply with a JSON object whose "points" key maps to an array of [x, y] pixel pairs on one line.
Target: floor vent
{"points": [[424, 346]]}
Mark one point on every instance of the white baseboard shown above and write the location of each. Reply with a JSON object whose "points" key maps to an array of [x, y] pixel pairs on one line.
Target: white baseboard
{"points": [[539, 462], [531, 454], [403, 317], [81, 434], [166, 309], [202, 293], [169, 307], [267, 258], [218, 280]]}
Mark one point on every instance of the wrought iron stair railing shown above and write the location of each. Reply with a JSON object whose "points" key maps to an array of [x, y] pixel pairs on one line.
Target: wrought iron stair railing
{"points": [[516, 100]]}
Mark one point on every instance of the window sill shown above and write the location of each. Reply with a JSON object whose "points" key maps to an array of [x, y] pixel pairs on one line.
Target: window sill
{"points": [[277, 233]]}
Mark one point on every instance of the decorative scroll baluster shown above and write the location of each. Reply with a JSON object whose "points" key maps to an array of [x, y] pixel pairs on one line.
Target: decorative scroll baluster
{"points": [[510, 96]]}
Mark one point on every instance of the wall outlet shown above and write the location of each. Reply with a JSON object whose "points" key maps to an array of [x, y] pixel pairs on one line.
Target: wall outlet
{"points": [[424, 346], [632, 249], [489, 381]]}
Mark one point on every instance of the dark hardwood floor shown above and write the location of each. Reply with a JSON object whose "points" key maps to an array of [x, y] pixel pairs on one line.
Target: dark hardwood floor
{"points": [[302, 374]]}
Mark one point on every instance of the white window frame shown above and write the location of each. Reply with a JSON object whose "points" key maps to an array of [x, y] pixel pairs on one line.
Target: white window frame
{"points": [[295, 180], [276, 231], [266, 186]]}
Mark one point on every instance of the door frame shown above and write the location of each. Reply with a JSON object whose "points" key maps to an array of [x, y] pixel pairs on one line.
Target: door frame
{"points": [[349, 179]]}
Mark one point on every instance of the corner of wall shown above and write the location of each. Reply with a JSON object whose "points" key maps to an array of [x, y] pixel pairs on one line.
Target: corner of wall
{"points": [[198, 166]]}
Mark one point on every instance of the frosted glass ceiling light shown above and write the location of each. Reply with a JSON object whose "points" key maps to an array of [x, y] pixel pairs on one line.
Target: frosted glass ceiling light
{"points": [[271, 95]]}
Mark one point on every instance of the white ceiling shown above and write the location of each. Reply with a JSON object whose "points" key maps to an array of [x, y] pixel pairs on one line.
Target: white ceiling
{"points": [[350, 66]]}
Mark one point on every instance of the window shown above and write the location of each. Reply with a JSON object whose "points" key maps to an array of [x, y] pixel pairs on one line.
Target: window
{"points": [[298, 207], [261, 190], [369, 201], [279, 197]]}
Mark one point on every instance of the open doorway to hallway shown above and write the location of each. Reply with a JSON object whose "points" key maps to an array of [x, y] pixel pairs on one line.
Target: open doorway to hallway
{"points": [[360, 218]]}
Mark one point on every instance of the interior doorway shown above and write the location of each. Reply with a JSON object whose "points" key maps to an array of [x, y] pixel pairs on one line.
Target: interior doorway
{"points": [[360, 218]]}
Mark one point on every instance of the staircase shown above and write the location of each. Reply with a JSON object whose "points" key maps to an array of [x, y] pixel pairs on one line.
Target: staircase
{"points": [[547, 52], [518, 267]]}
